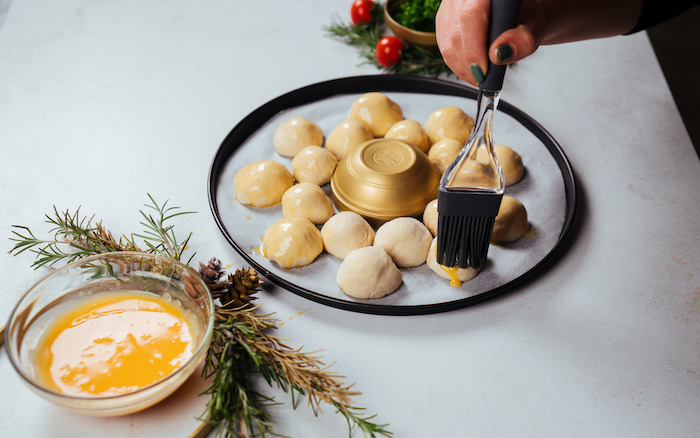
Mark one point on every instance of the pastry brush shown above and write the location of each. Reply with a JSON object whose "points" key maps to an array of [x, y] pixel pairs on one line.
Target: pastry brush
{"points": [[472, 186]]}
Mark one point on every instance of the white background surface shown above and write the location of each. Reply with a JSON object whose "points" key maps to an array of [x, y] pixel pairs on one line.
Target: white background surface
{"points": [[103, 102]]}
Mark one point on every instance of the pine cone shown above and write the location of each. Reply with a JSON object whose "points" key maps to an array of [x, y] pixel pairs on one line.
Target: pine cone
{"points": [[242, 285], [211, 273]]}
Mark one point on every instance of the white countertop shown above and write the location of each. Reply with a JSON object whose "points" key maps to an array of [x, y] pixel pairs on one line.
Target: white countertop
{"points": [[104, 102]]}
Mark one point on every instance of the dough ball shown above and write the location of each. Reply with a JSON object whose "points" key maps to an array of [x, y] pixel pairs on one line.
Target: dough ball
{"points": [[309, 201], [293, 135], [411, 132], [406, 240], [511, 163], [346, 136], [511, 223], [377, 112], [262, 183], [344, 232], [455, 274], [292, 242], [449, 122], [430, 217], [368, 272], [444, 152], [314, 164]]}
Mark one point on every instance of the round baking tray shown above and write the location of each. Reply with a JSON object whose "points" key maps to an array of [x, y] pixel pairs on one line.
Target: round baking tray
{"points": [[238, 142]]}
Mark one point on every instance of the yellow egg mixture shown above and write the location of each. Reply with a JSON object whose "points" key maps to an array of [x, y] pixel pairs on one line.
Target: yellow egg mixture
{"points": [[112, 344]]}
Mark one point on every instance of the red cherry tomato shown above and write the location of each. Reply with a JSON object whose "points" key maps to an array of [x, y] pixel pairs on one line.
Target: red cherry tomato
{"points": [[388, 50], [361, 11]]}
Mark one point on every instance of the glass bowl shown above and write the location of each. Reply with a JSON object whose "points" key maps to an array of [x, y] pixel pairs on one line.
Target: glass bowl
{"points": [[383, 179], [113, 273]]}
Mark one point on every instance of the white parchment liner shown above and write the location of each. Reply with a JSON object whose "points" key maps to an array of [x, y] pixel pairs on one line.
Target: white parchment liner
{"points": [[541, 191]]}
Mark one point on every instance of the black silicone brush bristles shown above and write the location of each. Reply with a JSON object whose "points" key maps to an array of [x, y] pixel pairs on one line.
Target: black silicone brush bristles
{"points": [[465, 225]]}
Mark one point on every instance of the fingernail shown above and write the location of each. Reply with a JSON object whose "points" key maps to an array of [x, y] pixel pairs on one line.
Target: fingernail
{"points": [[503, 53], [477, 72]]}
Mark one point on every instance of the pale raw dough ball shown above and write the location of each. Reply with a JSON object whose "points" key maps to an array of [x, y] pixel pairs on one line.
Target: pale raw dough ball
{"points": [[309, 201], [455, 274], [292, 242], [511, 223], [344, 232], [293, 135], [449, 122], [406, 240], [368, 272], [314, 164], [444, 152], [411, 132], [430, 217], [511, 163], [346, 136], [376, 111], [262, 183]]}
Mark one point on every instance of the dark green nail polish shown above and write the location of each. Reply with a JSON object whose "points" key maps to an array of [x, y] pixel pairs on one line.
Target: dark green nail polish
{"points": [[477, 72], [503, 53]]}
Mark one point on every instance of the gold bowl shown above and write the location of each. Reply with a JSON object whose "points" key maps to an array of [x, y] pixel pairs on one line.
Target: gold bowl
{"points": [[112, 273], [425, 40], [383, 179]]}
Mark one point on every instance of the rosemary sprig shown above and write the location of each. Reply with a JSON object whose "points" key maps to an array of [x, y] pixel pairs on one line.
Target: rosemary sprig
{"points": [[160, 238], [77, 235], [414, 60], [240, 338]]}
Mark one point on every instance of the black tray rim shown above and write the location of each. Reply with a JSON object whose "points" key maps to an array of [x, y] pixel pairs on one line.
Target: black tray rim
{"points": [[385, 83]]}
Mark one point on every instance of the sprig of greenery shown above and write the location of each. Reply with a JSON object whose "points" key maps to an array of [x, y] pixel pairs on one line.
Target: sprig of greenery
{"points": [[414, 60], [240, 338], [159, 237], [75, 237]]}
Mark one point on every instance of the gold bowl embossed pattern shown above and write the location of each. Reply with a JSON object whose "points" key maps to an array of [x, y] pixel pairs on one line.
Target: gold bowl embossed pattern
{"points": [[383, 179]]}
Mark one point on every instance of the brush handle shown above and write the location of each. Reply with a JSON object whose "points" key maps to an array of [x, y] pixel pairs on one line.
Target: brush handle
{"points": [[503, 16]]}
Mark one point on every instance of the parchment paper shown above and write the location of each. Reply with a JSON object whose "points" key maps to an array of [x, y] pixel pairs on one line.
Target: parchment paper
{"points": [[541, 190]]}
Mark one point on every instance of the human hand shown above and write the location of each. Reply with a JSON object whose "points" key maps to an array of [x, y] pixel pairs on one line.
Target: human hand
{"points": [[462, 33]]}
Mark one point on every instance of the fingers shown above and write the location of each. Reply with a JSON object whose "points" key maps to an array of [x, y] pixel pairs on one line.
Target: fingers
{"points": [[522, 41], [461, 30]]}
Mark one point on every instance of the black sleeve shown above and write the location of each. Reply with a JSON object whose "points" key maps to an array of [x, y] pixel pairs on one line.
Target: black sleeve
{"points": [[657, 11]]}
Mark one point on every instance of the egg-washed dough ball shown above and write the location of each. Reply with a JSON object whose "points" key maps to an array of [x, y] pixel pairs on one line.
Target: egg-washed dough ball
{"points": [[511, 162], [292, 242], [368, 272], [455, 274], [345, 136], [406, 240], [345, 232], [430, 217], [449, 122], [511, 222], [262, 183], [307, 200], [444, 152], [411, 132], [294, 134], [376, 111], [314, 164]]}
